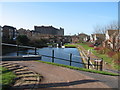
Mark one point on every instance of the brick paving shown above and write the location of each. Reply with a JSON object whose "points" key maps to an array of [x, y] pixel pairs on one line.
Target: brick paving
{"points": [[60, 77]]}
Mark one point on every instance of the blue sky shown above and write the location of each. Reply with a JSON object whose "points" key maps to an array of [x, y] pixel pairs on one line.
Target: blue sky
{"points": [[74, 17]]}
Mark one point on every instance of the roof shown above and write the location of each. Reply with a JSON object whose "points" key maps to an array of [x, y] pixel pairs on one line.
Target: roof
{"points": [[111, 32], [6, 26]]}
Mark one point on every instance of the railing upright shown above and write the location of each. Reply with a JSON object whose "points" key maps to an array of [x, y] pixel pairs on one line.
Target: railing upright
{"points": [[70, 58], [17, 50], [88, 62], [53, 56], [35, 51], [101, 64]]}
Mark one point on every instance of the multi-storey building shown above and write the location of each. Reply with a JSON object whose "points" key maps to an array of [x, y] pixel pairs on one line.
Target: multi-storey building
{"points": [[1, 33], [49, 30], [9, 32]]}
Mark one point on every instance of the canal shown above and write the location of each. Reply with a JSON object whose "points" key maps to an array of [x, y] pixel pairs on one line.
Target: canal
{"points": [[58, 52]]}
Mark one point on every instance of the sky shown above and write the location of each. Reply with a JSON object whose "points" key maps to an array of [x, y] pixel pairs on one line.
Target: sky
{"points": [[74, 17]]}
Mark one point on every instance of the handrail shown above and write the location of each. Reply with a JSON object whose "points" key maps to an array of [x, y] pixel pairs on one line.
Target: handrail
{"points": [[16, 45]]}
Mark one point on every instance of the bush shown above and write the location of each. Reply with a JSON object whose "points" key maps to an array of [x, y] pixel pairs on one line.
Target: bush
{"points": [[116, 56], [97, 48], [110, 54], [91, 45]]}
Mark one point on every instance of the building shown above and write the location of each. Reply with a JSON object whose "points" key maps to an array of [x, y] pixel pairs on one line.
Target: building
{"points": [[97, 38], [22, 31], [1, 33], [49, 30], [112, 39], [83, 37], [9, 32]]}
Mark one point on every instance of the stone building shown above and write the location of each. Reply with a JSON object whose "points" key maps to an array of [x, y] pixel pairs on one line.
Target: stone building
{"points": [[49, 30]]}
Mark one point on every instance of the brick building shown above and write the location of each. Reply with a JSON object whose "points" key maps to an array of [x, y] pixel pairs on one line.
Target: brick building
{"points": [[8, 32]]}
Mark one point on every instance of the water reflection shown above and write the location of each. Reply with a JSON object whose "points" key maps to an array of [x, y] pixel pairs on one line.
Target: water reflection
{"points": [[58, 52]]}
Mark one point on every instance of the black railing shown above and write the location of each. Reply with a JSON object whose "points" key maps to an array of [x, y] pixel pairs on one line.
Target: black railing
{"points": [[98, 64]]}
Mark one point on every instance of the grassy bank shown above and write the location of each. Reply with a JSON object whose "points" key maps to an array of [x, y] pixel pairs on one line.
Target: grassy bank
{"points": [[85, 46], [105, 57], [81, 69], [70, 46], [7, 78]]}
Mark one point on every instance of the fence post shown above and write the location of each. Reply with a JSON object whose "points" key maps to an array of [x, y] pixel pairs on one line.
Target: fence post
{"points": [[70, 58], [52, 56], [101, 64], [17, 50], [97, 65], [35, 51], [88, 62]]}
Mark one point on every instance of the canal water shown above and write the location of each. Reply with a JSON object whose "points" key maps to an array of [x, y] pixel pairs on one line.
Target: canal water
{"points": [[58, 52]]}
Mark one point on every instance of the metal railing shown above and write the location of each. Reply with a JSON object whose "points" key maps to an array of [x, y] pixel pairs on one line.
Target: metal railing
{"points": [[98, 64]]}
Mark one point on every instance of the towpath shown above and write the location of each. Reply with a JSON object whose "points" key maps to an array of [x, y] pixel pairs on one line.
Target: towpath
{"points": [[61, 77]]}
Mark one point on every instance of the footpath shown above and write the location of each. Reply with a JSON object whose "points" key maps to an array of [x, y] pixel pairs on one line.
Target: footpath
{"points": [[61, 77]]}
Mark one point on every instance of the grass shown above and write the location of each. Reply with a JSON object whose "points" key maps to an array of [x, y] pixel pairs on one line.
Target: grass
{"points": [[104, 56], [7, 77], [70, 46], [81, 69], [107, 59], [85, 46]]}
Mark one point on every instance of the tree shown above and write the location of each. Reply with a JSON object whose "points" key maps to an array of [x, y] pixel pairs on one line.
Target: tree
{"points": [[22, 39], [101, 29]]}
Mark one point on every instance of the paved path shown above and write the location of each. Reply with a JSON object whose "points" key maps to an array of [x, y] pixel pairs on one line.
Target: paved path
{"points": [[60, 77]]}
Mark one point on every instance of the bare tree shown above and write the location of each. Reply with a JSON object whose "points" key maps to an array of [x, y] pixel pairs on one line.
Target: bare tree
{"points": [[113, 25], [101, 29]]}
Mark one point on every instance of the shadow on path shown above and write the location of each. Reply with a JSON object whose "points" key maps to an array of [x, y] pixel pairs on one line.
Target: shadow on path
{"points": [[62, 84]]}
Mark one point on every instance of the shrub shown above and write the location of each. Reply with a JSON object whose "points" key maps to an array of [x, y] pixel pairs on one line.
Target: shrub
{"points": [[116, 56], [110, 54], [97, 48], [91, 45]]}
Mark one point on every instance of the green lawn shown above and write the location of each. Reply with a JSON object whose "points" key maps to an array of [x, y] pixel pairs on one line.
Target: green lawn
{"points": [[85, 46], [7, 77], [70, 46]]}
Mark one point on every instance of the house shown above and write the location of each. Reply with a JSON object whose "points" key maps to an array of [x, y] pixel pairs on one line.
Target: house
{"points": [[112, 39], [22, 31], [83, 37], [92, 38], [97, 38], [75, 39]]}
